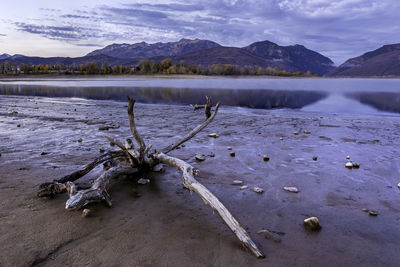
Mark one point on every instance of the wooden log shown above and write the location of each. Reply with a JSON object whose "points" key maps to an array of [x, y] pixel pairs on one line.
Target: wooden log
{"points": [[209, 199]]}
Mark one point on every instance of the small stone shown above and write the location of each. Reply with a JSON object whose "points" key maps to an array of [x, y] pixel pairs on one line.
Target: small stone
{"points": [[291, 189], [211, 155], [101, 149], [229, 148], [373, 213], [142, 181], [347, 157], [365, 210], [349, 165], [398, 185], [214, 135], [312, 224], [281, 138], [243, 187], [356, 165], [237, 182], [80, 140], [266, 158], [158, 168], [258, 189], [232, 154], [199, 157], [86, 212], [147, 180], [270, 235], [296, 133], [315, 158], [306, 131], [44, 153], [18, 125]]}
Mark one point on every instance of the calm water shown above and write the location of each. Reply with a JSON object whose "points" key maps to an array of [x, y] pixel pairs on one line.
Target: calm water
{"points": [[357, 96]]}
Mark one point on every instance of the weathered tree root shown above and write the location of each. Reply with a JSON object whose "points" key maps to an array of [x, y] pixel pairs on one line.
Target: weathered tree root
{"points": [[129, 160]]}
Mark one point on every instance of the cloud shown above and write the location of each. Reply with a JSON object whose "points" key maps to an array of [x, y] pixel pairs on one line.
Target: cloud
{"points": [[2, 34], [90, 45]]}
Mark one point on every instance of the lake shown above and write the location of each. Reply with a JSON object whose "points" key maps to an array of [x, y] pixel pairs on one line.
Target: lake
{"points": [[355, 96]]}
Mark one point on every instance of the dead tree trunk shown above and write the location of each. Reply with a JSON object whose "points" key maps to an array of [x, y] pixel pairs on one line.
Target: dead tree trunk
{"points": [[129, 160]]}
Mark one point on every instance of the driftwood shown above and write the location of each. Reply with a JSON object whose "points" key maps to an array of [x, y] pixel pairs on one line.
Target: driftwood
{"points": [[129, 160]]}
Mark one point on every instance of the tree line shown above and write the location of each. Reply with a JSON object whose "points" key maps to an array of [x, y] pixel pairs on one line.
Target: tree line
{"points": [[146, 67]]}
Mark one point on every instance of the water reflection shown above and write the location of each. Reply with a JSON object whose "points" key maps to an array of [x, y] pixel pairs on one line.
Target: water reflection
{"points": [[386, 101], [253, 98]]}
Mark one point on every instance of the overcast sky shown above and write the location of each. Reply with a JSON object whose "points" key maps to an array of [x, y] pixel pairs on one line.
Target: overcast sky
{"points": [[339, 29]]}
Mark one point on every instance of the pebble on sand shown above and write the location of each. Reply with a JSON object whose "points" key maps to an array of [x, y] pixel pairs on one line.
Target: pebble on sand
{"points": [[349, 165], [258, 189], [232, 154], [281, 138], [398, 185], [101, 149], [373, 213], [291, 189], [347, 157], [199, 157], [312, 224], [229, 148], [80, 140], [243, 187], [296, 133], [365, 210], [237, 182], [86, 212], [214, 135], [266, 158], [314, 158], [307, 132], [356, 165]]}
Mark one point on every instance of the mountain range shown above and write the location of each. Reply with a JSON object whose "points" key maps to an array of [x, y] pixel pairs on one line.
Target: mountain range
{"points": [[294, 58]]}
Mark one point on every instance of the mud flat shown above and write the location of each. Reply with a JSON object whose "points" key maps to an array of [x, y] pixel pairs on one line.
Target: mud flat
{"points": [[160, 224]]}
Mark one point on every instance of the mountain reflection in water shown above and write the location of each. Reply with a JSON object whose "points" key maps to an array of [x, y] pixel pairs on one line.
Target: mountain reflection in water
{"points": [[252, 98]]}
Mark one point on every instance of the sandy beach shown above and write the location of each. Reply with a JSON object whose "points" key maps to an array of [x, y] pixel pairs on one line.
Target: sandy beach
{"points": [[161, 224]]}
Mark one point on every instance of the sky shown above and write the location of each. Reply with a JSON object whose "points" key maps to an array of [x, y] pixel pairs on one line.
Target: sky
{"points": [[338, 29]]}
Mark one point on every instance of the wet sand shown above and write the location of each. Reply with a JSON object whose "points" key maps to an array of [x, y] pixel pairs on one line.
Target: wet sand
{"points": [[161, 224]]}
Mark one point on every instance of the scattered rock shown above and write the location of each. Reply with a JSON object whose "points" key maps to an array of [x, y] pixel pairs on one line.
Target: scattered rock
{"points": [[86, 212], [80, 140], [347, 157], [266, 158], [243, 187], [281, 138], [44, 153], [258, 189], [142, 181], [211, 155], [214, 135], [232, 154], [0, 157], [18, 125], [314, 158], [158, 168], [373, 213], [349, 165], [365, 210], [312, 224], [398, 185], [229, 148], [199, 157], [296, 133], [306, 131], [356, 165], [101, 149], [237, 182], [291, 189]]}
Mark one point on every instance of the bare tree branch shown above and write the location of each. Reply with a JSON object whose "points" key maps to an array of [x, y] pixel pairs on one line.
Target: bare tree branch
{"points": [[132, 126]]}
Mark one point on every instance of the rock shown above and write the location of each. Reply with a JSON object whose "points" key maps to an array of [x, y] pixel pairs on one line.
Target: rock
{"points": [[258, 189], [365, 210], [232, 154], [291, 189], [142, 181], [211, 155], [243, 187], [296, 133], [398, 185], [80, 140], [199, 157], [229, 148], [349, 165], [101, 149], [266, 158], [281, 138], [373, 213], [347, 157], [306, 131], [356, 165], [0, 157], [237, 182], [214, 135], [18, 125], [44, 153], [270, 235], [315, 158], [158, 168], [312, 224], [86, 212]]}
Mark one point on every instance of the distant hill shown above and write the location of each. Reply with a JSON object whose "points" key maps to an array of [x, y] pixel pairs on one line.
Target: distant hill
{"points": [[145, 50], [383, 61], [4, 56]]}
